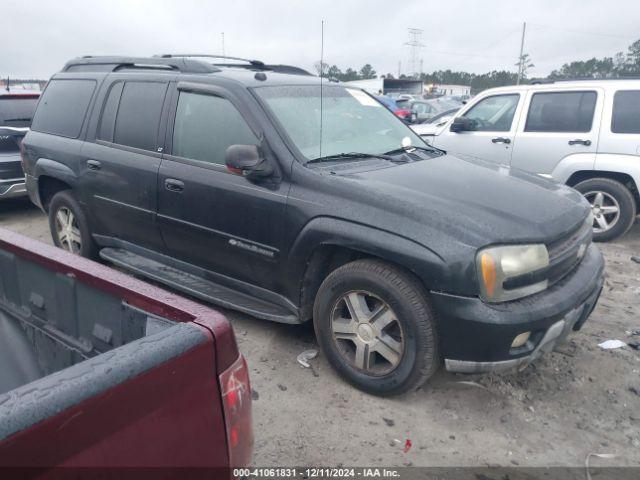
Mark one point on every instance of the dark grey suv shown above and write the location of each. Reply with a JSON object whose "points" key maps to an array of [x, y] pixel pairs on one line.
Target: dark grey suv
{"points": [[268, 193]]}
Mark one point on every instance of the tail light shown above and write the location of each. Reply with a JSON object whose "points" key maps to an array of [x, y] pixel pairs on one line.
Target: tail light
{"points": [[236, 400], [402, 113]]}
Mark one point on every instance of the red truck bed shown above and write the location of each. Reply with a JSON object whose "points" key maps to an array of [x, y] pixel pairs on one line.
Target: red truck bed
{"points": [[101, 370]]}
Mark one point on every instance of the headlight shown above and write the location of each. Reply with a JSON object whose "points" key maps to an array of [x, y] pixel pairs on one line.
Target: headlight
{"points": [[495, 265]]}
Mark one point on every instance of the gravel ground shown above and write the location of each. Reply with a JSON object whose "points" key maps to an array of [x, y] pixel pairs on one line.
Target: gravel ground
{"points": [[571, 403]]}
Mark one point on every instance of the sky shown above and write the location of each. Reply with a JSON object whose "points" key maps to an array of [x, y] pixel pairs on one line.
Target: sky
{"points": [[474, 36]]}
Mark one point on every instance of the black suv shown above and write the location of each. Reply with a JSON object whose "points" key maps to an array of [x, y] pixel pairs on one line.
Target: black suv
{"points": [[265, 192], [16, 111]]}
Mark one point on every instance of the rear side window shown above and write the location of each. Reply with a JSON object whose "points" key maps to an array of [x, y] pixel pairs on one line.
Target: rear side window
{"points": [[138, 114], [626, 112], [17, 111], [206, 126], [561, 112], [63, 106]]}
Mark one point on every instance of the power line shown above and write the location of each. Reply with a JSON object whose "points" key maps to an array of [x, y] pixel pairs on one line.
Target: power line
{"points": [[582, 32]]}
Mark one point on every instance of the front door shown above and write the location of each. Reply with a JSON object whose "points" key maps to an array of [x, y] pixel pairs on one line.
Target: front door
{"points": [[558, 125], [208, 216], [493, 136]]}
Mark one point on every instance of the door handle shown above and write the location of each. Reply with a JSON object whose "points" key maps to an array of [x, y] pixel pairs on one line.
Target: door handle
{"points": [[578, 141], [94, 165], [174, 185], [501, 140]]}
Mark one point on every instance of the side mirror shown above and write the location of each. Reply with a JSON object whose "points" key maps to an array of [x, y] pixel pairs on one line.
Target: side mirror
{"points": [[246, 160], [463, 124]]}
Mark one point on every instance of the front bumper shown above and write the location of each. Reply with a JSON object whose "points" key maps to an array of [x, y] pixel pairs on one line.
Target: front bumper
{"points": [[476, 336]]}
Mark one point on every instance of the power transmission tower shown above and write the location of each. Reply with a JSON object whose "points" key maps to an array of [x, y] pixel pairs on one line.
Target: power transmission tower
{"points": [[415, 44]]}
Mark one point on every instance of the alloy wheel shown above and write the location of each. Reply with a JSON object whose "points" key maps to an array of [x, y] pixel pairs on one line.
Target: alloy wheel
{"points": [[605, 208], [367, 333], [67, 230]]}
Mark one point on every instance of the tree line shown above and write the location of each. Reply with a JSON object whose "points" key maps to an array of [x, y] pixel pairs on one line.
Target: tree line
{"points": [[620, 65]]}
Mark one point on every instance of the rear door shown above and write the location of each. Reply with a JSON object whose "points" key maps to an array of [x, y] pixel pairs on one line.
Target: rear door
{"points": [[120, 172], [556, 125], [492, 140], [210, 217]]}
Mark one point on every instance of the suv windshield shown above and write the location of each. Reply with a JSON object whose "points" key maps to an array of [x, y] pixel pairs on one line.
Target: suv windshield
{"points": [[352, 121]]}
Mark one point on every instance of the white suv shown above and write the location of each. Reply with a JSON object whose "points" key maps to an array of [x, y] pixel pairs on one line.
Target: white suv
{"points": [[582, 133]]}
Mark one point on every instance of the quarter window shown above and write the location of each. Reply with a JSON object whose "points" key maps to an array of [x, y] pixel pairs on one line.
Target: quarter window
{"points": [[206, 125], [626, 112], [494, 114], [63, 106], [561, 112], [108, 120], [138, 117]]}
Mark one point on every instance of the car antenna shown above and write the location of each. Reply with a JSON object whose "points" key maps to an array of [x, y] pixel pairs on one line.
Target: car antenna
{"points": [[321, 71]]}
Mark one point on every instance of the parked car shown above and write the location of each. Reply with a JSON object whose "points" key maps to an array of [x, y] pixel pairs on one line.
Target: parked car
{"points": [[425, 110], [585, 134], [100, 369], [16, 112], [226, 183], [402, 113]]}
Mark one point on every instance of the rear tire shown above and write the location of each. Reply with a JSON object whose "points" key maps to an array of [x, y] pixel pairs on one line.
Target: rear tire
{"points": [[613, 197], [69, 226], [375, 325]]}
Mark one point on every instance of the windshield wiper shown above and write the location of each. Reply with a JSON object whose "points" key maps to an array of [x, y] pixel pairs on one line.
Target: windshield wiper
{"points": [[17, 119], [350, 156], [412, 148]]}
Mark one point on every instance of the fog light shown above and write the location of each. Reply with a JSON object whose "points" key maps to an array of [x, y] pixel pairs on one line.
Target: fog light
{"points": [[520, 340]]}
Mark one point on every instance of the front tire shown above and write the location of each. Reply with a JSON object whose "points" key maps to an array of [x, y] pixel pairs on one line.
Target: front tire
{"points": [[375, 325], [613, 207], [69, 226]]}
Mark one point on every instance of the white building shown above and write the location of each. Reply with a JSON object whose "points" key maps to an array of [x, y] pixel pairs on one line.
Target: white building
{"points": [[442, 89]]}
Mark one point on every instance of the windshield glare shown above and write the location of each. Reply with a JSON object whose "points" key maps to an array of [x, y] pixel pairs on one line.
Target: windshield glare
{"points": [[352, 121]]}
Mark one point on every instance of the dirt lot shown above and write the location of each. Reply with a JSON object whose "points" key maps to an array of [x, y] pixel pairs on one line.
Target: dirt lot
{"points": [[556, 412]]}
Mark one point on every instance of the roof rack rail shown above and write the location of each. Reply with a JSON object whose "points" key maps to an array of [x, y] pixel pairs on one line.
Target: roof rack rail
{"points": [[90, 63], [254, 63], [583, 79]]}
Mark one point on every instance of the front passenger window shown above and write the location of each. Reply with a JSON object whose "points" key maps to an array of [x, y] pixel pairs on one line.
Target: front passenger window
{"points": [[494, 114], [206, 125]]}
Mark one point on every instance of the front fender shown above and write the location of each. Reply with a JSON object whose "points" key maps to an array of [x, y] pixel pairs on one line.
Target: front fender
{"points": [[424, 263]]}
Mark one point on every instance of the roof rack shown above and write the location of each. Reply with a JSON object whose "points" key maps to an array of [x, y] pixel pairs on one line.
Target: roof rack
{"points": [[583, 79], [252, 64], [90, 63]]}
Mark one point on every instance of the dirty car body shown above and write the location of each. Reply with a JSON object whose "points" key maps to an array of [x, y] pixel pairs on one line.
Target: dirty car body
{"points": [[478, 265]]}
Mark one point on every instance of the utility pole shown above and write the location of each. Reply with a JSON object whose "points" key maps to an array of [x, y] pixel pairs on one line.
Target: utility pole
{"points": [[399, 68], [520, 65], [415, 36], [223, 54]]}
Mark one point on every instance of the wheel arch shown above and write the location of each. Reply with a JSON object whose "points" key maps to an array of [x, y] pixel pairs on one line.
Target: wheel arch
{"points": [[328, 243], [52, 178], [626, 179]]}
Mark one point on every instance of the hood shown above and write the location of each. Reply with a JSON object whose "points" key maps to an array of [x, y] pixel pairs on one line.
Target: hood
{"points": [[431, 129], [471, 202]]}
